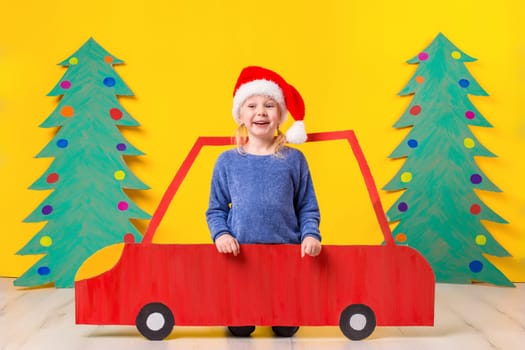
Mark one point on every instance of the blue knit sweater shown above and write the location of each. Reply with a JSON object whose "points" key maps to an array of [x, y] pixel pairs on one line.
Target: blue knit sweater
{"points": [[263, 198]]}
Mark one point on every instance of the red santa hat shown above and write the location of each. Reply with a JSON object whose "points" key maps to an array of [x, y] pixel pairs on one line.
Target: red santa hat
{"points": [[255, 80]]}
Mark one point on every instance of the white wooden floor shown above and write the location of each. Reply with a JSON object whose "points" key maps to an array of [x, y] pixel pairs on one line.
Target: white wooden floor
{"points": [[467, 317]]}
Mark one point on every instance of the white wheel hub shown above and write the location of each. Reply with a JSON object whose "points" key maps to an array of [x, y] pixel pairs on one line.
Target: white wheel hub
{"points": [[358, 322], [155, 321]]}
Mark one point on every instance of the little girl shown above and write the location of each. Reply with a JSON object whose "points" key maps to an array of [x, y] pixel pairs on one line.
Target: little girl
{"points": [[261, 191]]}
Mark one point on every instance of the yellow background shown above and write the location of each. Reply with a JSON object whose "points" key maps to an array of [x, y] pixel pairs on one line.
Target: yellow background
{"points": [[347, 58]]}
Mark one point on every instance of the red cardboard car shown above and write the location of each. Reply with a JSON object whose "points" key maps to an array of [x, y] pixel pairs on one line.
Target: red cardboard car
{"points": [[157, 286]]}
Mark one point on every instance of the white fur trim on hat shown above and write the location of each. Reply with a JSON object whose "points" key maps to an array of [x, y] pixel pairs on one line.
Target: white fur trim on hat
{"points": [[296, 133], [258, 87]]}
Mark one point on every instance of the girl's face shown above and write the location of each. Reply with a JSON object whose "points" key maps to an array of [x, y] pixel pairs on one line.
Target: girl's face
{"points": [[261, 115]]}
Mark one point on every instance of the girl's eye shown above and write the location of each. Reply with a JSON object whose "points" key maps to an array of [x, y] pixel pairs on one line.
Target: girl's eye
{"points": [[270, 105]]}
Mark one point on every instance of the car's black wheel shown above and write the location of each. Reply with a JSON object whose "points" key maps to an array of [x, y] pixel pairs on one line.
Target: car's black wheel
{"points": [[357, 321], [155, 321], [241, 331], [285, 331]]}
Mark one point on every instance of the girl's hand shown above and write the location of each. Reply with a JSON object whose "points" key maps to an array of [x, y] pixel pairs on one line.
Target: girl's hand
{"points": [[310, 246], [227, 244]]}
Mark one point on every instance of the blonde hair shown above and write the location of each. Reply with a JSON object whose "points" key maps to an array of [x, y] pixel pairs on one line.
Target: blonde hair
{"points": [[241, 139]]}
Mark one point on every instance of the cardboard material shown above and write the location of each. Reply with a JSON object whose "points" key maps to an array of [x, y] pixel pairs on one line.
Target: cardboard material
{"points": [[440, 212], [157, 286], [87, 209]]}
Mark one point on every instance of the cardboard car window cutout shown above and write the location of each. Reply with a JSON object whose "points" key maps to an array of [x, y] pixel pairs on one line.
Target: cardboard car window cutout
{"points": [[356, 287]]}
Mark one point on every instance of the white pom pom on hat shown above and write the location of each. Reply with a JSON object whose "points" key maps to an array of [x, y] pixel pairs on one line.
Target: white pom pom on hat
{"points": [[255, 80]]}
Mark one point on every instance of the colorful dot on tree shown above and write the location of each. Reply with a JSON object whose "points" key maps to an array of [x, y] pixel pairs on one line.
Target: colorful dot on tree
{"points": [[62, 143], [481, 239], [129, 238], [406, 177], [43, 271], [73, 61], [52, 178], [476, 179], [401, 237], [464, 83], [415, 110], [46, 241], [423, 56], [475, 209], [67, 111], [122, 205], [65, 84], [109, 81], [470, 115], [121, 147], [420, 79], [108, 59], [47, 209], [402, 207], [119, 175], [468, 142], [475, 266], [412, 143], [456, 55], [115, 113]]}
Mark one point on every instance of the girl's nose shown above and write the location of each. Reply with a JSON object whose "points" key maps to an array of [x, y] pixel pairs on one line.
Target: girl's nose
{"points": [[261, 111]]}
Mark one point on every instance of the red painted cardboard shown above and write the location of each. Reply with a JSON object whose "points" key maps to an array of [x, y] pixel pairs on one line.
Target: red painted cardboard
{"points": [[263, 285], [267, 285]]}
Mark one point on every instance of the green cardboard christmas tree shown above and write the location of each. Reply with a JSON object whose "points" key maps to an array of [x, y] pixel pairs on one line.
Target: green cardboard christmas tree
{"points": [[439, 212], [88, 208]]}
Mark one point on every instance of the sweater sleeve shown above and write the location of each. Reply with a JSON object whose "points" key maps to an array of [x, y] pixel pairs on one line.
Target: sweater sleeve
{"points": [[219, 202], [306, 203]]}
